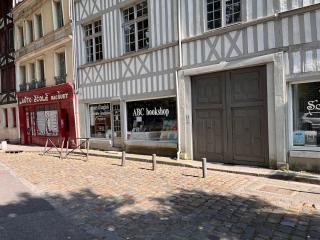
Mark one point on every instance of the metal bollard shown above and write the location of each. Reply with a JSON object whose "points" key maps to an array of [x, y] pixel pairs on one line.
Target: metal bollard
{"points": [[204, 167], [123, 160], [154, 162]]}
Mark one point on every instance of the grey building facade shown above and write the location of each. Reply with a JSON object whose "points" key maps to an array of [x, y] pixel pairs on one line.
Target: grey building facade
{"points": [[243, 76]]}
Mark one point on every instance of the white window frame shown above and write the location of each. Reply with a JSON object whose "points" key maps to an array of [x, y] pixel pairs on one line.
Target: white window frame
{"points": [[223, 15], [36, 25], [30, 30], [93, 37], [57, 70], [38, 68], [135, 22], [290, 119], [55, 14]]}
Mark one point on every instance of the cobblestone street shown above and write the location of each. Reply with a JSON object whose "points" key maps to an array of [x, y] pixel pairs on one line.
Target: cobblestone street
{"points": [[133, 202]]}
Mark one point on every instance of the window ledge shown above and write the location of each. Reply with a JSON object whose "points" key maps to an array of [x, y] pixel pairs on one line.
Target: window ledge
{"points": [[307, 153]]}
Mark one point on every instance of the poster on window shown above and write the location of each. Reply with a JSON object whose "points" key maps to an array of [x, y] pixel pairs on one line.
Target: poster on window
{"points": [[41, 123], [52, 128], [100, 121]]}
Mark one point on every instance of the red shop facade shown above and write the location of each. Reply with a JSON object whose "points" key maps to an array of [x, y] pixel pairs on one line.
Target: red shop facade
{"points": [[47, 113]]}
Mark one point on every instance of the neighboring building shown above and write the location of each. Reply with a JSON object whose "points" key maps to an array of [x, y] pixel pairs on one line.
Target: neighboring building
{"points": [[127, 75], [9, 128], [44, 70], [250, 80], [244, 76]]}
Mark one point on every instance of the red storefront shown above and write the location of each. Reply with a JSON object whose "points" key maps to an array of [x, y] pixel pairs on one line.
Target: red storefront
{"points": [[47, 113]]}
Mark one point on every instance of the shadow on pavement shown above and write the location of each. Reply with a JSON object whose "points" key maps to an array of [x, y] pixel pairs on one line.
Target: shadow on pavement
{"points": [[188, 214]]}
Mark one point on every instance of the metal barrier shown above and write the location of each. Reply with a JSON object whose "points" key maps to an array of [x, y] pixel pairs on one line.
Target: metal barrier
{"points": [[59, 148], [78, 143]]}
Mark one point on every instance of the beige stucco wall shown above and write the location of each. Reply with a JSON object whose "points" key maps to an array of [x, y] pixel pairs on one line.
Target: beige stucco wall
{"points": [[53, 41]]}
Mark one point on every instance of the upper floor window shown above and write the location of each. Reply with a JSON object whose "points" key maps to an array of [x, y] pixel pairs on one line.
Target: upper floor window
{"points": [[41, 73], [38, 23], [223, 12], [136, 27], [93, 41], [23, 78], [58, 14], [30, 31], [33, 72], [20, 36]]}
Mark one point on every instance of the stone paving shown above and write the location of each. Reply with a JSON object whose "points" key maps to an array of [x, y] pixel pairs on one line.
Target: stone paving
{"points": [[133, 202]]}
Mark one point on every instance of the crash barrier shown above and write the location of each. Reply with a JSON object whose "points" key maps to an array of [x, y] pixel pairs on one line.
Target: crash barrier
{"points": [[74, 144], [51, 146]]}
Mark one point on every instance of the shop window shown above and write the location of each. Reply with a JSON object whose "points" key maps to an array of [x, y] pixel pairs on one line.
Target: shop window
{"points": [[6, 124], [14, 117], [223, 12], [136, 27], [47, 121], [100, 121], [152, 120], [306, 114], [93, 41]]}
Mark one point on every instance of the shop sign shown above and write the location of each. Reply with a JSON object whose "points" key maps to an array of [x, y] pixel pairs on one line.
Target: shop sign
{"points": [[100, 107], [156, 111], [152, 120], [313, 106], [43, 98]]}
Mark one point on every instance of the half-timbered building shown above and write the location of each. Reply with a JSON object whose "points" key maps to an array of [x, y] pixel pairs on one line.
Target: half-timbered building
{"points": [[9, 129], [243, 76], [126, 65]]}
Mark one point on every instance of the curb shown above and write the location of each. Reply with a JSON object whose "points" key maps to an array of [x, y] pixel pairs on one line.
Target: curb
{"points": [[279, 175]]}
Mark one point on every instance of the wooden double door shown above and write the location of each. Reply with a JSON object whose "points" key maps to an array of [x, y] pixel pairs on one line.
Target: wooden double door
{"points": [[230, 116]]}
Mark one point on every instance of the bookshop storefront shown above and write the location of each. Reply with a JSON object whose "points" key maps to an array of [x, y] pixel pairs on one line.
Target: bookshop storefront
{"points": [[152, 126], [47, 113], [305, 126]]}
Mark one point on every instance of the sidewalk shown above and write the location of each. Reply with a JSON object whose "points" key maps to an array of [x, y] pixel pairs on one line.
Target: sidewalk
{"points": [[236, 169], [25, 215]]}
